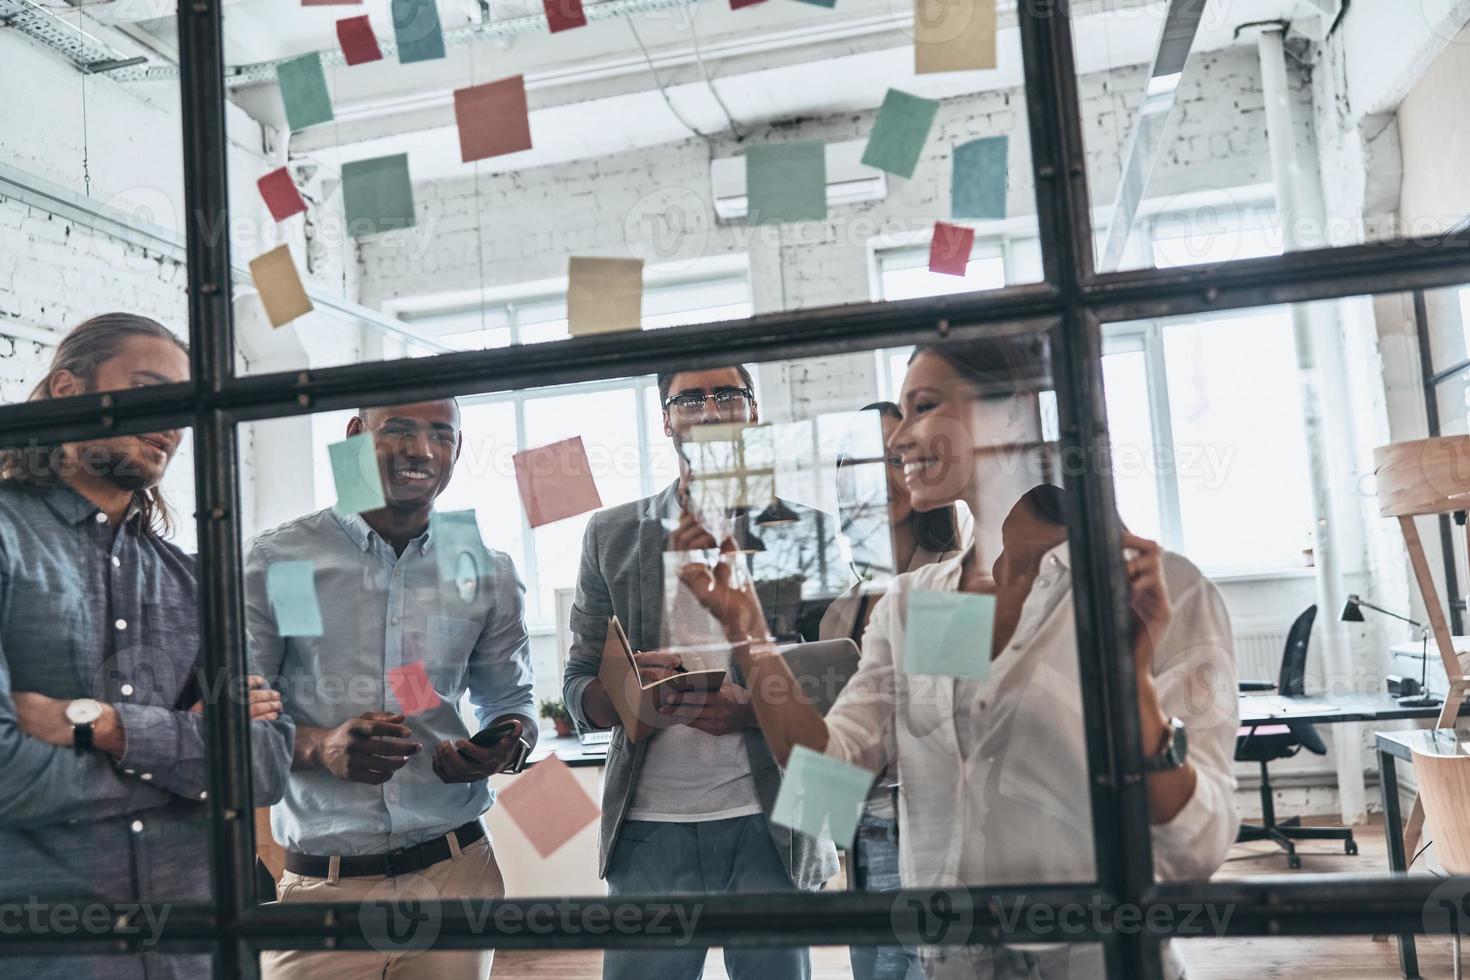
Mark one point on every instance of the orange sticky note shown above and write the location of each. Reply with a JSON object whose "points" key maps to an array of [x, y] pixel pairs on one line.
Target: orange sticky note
{"points": [[279, 286], [548, 805], [492, 119], [412, 688], [556, 482]]}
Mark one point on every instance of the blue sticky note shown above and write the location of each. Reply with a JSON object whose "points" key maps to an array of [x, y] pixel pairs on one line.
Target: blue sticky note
{"points": [[377, 195], [304, 91], [821, 795], [899, 132], [417, 30], [355, 471], [977, 188], [786, 182], [291, 587], [948, 634]]}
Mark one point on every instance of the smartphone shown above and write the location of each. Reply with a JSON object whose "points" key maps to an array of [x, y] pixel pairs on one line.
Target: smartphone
{"points": [[486, 738]]}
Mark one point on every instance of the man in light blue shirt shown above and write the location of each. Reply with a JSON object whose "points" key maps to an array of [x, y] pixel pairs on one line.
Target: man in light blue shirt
{"points": [[383, 791]]}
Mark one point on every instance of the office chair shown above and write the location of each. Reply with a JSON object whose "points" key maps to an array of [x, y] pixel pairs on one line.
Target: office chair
{"points": [[1263, 744]]}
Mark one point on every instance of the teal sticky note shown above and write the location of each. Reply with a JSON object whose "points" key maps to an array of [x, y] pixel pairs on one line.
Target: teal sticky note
{"points": [[355, 471], [829, 4], [899, 132], [417, 30], [459, 552], [304, 91], [977, 188], [786, 182], [948, 634], [291, 587], [377, 195], [822, 796]]}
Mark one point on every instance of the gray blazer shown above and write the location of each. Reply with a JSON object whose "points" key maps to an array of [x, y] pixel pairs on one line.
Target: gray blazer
{"points": [[622, 574]]}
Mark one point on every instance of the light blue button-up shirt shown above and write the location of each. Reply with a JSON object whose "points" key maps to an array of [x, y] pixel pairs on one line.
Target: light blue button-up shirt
{"points": [[381, 611]]}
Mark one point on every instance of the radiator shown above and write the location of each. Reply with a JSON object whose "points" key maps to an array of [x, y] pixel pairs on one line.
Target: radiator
{"points": [[1258, 654]]}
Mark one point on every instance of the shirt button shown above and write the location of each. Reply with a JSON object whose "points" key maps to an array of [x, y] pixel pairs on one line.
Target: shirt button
{"points": [[116, 562], [1054, 561], [146, 776], [121, 624], [129, 772], [127, 690], [137, 826], [395, 620], [101, 518], [204, 794]]}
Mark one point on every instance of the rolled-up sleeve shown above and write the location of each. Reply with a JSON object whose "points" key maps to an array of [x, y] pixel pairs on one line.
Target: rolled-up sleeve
{"points": [[591, 610], [500, 674]]}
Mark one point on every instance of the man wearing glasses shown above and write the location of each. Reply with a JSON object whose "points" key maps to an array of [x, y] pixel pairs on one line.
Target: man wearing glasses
{"points": [[684, 810]]}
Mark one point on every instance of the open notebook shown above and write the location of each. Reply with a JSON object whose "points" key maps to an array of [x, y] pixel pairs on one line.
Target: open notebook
{"points": [[637, 701]]}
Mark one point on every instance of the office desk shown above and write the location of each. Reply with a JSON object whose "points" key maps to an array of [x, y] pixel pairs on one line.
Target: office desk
{"points": [[1274, 709]]}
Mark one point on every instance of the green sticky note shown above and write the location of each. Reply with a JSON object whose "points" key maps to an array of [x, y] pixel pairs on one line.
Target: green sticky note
{"points": [[355, 471], [821, 795], [417, 30], [948, 634], [291, 587], [377, 195], [786, 182], [304, 91], [899, 132], [459, 552], [977, 188]]}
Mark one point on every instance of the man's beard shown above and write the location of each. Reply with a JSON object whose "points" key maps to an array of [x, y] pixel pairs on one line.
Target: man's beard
{"points": [[116, 467]]}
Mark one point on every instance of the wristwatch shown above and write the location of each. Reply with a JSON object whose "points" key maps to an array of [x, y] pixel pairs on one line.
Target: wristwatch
{"points": [[1175, 751], [82, 713]]}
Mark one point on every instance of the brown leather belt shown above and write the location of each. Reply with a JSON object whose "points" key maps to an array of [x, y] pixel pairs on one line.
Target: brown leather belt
{"points": [[399, 862]]}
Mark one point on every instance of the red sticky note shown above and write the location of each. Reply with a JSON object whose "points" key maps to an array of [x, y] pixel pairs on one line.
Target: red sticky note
{"points": [[412, 688], [556, 482], [359, 43], [548, 805], [563, 15], [949, 251], [737, 4], [280, 194], [492, 118]]}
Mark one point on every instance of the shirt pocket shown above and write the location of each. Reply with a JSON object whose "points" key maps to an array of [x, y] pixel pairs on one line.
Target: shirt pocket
{"points": [[448, 643]]}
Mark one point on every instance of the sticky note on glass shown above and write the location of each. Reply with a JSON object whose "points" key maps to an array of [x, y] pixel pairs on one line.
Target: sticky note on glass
{"points": [[279, 286], [548, 805], [291, 588], [948, 634], [899, 132], [949, 249], [563, 15], [459, 552], [737, 4], [411, 687], [280, 194], [377, 195], [359, 43], [556, 482], [417, 29], [604, 295], [953, 35], [330, 3], [492, 118], [821, 796], [786, 182], [304, 91], [356, 474], [977, 188]]}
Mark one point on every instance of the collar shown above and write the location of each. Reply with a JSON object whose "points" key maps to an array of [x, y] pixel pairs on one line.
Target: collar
{"points": [[73, 508], [363, 535]]}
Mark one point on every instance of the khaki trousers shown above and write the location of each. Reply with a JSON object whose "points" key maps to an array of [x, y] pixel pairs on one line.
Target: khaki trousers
{"points": [[398, 929]]}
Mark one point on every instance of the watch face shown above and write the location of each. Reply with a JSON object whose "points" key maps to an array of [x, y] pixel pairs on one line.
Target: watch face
{"points": [[83, 711]]}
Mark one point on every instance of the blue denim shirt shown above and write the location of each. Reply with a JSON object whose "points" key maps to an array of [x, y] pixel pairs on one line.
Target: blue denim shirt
{"points": [[381, 611], [89, 610]]}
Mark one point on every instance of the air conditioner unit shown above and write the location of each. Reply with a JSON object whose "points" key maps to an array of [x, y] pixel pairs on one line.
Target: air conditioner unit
{"points": [[849, 180]]}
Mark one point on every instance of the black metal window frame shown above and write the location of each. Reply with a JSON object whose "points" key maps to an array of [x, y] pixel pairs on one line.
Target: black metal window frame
{"points": [[1071, 304]]}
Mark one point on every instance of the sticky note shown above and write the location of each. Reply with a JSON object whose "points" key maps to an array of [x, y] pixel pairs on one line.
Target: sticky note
{"points": [[280, 194], [737, 4], [291, 588], [604, 295], [359, 43], [459, 552], [949, 249], [548, 805], [555, 482], [417, 29], [829, 4], [563, 15], [377, 195], [356, 474], [786, 182], [953, 35], [977, 187], [330, 3], [948, 634], [822, 796], [304, 91], [279, 286], [899, 132], [411, 687], [492, 118]]}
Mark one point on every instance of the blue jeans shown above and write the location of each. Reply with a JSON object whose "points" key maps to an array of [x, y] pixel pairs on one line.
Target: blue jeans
{"points": [[873, 865], [658, 859]]}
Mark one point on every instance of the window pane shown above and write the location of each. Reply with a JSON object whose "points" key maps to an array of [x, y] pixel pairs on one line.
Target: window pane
{"points": [[1130, 435]]}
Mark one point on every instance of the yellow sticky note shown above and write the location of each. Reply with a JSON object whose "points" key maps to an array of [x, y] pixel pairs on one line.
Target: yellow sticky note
{"points": [[604, 295], [953, 35], [279, 286]]}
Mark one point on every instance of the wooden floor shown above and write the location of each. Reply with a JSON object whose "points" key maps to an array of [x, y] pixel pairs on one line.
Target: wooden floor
{"points": [[1326, 958]]}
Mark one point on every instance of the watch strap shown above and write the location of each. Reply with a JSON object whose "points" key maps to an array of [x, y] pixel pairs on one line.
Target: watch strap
{"points": [[81, 738]]}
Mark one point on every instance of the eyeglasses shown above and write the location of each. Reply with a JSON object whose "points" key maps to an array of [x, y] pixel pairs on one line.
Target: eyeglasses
{"points": [[728, 401]]}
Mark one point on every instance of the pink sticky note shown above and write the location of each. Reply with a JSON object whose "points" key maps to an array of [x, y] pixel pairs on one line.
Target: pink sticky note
{"points": [[949, 251], [492, 118], [548, 804], [280, 194], [556, 482], [563, 15], [359, 43], [412, 688]]}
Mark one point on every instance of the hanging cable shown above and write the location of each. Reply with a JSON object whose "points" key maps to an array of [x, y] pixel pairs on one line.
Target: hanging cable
{"points": [[699, 59], [661, 90]]}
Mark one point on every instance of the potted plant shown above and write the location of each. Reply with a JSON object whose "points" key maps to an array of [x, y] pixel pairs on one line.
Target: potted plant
{"points": [[556, 710]]}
